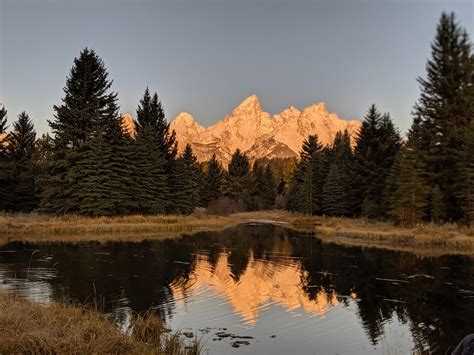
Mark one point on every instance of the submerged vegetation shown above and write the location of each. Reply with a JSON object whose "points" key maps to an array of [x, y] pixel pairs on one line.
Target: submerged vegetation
{"points": [[30, 327]]}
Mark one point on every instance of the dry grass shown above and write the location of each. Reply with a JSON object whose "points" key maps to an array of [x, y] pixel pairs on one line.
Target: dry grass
{"points": [[29, 327], [72, 228], [426, 238], [434, 239], [429, 238]]}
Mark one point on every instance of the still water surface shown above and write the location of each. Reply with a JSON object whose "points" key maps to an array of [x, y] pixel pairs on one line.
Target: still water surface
{"points": [[283, 292]]}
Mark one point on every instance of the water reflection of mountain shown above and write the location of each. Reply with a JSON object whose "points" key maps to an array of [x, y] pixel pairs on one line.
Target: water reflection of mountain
{"points": [[262, 283], [253, 265]]}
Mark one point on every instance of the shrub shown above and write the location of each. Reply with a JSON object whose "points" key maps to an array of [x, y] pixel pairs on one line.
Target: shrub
{"points": [[224, 207]]}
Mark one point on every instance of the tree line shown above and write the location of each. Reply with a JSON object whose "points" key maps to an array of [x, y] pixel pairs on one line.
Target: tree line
{"points": [[90, 165], [430, 176]]}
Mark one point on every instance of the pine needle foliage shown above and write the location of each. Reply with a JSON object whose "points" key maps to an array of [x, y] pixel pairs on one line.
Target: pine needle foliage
{"points": [[20, 150], [336, 190], [212, 186], [445, 109], [410, 192]]}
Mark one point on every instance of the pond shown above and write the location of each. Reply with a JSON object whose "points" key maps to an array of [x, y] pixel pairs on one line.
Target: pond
{"points": [[260, 288]]}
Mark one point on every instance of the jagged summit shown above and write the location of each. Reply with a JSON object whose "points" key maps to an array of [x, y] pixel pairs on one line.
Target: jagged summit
{"points": [[254, 131], [185, 117], [258, 133], [187, 120], [319, 107], [251, 105]]}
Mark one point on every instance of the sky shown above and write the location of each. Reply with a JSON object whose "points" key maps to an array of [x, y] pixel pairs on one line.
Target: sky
{"points": [[206, 56]]}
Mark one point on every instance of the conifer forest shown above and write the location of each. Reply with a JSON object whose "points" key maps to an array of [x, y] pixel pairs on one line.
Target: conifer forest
{"points": [[90, 165]]}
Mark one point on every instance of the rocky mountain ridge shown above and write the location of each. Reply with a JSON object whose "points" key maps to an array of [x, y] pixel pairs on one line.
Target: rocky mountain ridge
{"points": [[259, 134]]}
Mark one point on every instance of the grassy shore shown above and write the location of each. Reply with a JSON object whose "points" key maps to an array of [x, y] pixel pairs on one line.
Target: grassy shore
{"points": [[424, 238], [34, 328]]}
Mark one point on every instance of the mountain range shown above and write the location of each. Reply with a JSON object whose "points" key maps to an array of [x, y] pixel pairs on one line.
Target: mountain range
{"points": [[255, 132], [259, 134]]}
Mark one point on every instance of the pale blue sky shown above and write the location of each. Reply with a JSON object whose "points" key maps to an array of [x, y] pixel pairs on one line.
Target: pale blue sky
{"points": [[206, 56]]}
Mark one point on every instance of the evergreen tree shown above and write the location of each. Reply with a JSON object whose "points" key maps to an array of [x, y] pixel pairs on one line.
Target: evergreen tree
{"points": [[257, 186], [336, 190], [20, 152], [466, 178], [152, 114], [43, 152], [87, 102], [21, 140], [185, 188], [236, 183], [194, 171], [377, 145], [324, 166], [282, 168], [410, 192], [437, 209], [269, 188], [151, 184], [305, 192], [101, 173], [281, 187], [263, 188], [445, 109], [97, 190], [6, 181], [87, 116], [335, 201], [213, 181]]}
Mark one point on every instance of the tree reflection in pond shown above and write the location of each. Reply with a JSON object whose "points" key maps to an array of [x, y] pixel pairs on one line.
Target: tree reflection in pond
{"points": [[262, 280]]}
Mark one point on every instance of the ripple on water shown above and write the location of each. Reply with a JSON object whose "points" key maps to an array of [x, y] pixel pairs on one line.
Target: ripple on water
{"points": [[291, 293]]}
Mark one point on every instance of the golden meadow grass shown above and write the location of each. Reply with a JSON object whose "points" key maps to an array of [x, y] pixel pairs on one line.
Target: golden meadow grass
{"points": [[34, 328], [439, 239]]}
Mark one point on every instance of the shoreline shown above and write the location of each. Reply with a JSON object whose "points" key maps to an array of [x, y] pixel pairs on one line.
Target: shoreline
{"points": [[424, 239], [58, 327]]}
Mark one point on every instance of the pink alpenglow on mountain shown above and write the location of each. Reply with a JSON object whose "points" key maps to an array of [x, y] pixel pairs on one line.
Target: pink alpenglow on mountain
{"points": [[128, 125], [257, 133]]}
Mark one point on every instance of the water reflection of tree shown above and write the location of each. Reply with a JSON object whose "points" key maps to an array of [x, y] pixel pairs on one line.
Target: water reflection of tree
{"points": [[436, 313], [141, 274]]}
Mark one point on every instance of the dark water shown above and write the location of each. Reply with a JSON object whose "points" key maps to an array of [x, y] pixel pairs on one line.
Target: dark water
{"points": [[290, 292]]}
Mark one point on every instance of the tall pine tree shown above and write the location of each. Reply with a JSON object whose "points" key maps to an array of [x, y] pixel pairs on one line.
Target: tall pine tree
{"points": [[269, 188], [6, 179], [409, 191], [306, 188], [445, 110], [466, 177], [377, 145], [185, 188], [20, 153], [237, 180], [437, 208], [194, 172], [213, 181], [257, 187], [336, 190], [86, 122], [150, 184], [152, 115]]}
